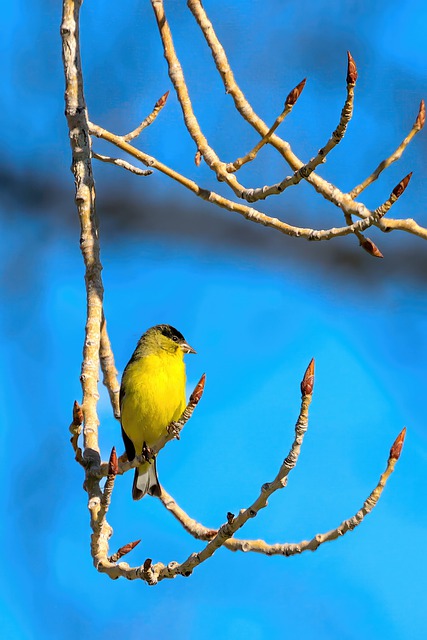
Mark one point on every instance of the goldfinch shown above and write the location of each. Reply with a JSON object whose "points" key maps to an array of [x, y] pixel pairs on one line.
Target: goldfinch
{"points": [[152, 395]]}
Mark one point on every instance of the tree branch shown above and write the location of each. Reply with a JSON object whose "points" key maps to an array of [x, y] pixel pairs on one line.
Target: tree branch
{"points": [[149, 119], [108, 368], [416, 127], [251, 155], [76, 114], [322, 186], [248, 212], [122, 163], [201, 532]]}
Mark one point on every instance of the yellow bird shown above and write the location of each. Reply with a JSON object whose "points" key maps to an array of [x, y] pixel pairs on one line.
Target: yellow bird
{"points": [[152, 395]]}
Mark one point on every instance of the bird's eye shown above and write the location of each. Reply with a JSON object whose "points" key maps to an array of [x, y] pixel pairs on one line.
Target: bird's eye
{"points": [[175, 338]]}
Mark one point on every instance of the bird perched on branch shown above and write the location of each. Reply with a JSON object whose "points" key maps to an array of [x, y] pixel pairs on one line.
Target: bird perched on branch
{"points": [[152, 395]]}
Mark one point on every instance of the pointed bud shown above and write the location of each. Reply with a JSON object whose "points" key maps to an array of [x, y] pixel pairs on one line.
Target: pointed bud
{"points": [[126, 549], [421, 117], [371, 248], [198, 390], [113, 465], [307, 383], [197, 158], [400, 188], [396, 449], [147, 564], [295, 94], [162, 101], [351, 69], [77, 414], [230, 517]]}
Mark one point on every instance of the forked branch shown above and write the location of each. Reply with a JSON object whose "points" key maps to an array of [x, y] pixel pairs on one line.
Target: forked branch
{"points": [[225, 172], [97, 351], [329, 191], [224, 535]]}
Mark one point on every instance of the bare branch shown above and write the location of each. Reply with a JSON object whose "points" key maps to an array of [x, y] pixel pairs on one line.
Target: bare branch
{"points": [[97, 351], [149, 119], [252, 195], [233, 524], [325, 188], [122, 163], [251, 155], [76, 113], [198, 531], [177, 77], [248, 212], [108, 368], [417, 126]]}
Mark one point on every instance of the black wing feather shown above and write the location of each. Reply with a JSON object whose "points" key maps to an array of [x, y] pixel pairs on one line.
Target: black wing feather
{"points": [[130, 449]]}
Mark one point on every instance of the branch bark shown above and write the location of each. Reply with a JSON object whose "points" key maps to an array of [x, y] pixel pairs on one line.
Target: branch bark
{"points": [[97, 351]]}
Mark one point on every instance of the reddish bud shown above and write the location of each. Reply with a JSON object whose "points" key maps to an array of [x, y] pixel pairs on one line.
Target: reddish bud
{"points": [[197, 158], [396, 449], [421, 117], [113, 465], [198, 390], [295, 94], [147, 564], [230, 517], [371, 248], [162, 101], [126, 549], [77, 414], [307, 383], [351, 69], [400, 188]]}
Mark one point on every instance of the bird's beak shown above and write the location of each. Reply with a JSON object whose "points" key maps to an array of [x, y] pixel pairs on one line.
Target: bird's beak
{"points": [[186, 348]]}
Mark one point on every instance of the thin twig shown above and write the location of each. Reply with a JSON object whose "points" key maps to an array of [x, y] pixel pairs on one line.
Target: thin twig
{"points": [[149, 119], [233, 524], [253, 195], [108, 368], [201, 532], [322, 186], [176, 75], [251, 155], [157, 572], [122, 163], [416, 127], [247, 212]]}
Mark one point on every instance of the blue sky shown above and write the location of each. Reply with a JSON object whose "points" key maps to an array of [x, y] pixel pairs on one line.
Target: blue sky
{"points": [[255, 319]]}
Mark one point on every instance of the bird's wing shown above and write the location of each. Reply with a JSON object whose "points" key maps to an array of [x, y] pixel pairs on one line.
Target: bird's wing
{"points": [[130, 449]]}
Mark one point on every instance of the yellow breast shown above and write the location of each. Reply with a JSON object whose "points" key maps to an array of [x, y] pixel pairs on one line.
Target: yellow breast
{"points": [[154, 396]]}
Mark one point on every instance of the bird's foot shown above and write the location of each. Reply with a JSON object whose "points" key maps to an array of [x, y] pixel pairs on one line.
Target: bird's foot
{"points": [[147, 453]]}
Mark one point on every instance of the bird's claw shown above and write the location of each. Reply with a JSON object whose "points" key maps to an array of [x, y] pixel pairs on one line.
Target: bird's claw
{"points": [[147, 453]]}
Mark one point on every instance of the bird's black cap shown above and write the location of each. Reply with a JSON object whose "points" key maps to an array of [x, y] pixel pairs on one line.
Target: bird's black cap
{"points": [[170, 332]]}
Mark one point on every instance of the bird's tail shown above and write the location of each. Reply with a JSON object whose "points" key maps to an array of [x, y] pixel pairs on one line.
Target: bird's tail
{"points": [[145, 481]]}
